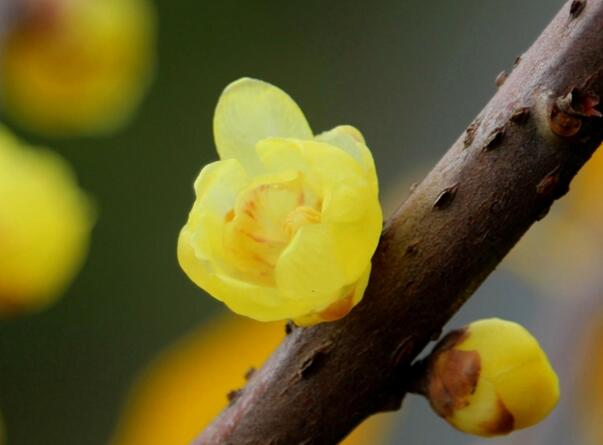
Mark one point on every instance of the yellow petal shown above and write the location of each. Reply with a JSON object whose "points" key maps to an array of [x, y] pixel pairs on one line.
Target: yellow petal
{"points": [[531, 378], [250, 110], [216, 189], [517, 386], [331, 172], [309, 268], [340, 308], [264, 303], [358, 240], [350, 140], [346, 190], [219, 184]]}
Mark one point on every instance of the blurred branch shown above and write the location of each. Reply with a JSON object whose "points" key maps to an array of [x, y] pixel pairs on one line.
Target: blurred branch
{"points": [[501, 176]]}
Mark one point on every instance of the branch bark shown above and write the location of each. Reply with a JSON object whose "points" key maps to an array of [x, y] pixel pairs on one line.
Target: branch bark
{"points": [[501, 175]]}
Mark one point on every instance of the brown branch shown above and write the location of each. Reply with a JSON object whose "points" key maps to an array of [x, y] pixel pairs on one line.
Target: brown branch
{"points": [[502, 175]]}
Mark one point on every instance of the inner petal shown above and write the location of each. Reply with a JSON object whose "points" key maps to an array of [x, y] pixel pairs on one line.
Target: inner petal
{"points": [[265, 218]]}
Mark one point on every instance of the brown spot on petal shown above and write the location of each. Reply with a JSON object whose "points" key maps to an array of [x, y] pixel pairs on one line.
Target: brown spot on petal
{"points": [[502, 423], [453, 378], [339, 309], [229, 215], [451, 339], [452, 375]]}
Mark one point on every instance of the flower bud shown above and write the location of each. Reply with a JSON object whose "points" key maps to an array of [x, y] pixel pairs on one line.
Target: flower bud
{"points": [[45, 223], [490, 378], [76, 67]]}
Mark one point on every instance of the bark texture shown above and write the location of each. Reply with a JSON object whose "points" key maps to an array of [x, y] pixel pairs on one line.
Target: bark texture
{"points": [[501, 176]]}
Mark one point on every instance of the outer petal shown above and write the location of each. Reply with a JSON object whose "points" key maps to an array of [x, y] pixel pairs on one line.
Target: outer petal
{"points": [[350, 140], [218, 185], [258, 302], [216, 190], [513, 364], [338, 309], [250, 110], [308, 269], [356, 242]]}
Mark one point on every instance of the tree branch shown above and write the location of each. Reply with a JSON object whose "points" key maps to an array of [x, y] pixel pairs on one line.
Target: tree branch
{"points": [[502, 175]]}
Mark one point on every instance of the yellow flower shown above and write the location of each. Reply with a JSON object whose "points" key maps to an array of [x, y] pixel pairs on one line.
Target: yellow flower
{"points": [[285, 224], [45, 222], [491, 378], [77, 67], [186, 387]]}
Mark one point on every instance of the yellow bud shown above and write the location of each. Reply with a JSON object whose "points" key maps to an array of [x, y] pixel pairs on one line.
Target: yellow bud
{"points": [[45, 222], [491, 378], [285, 224], [77, 67]]}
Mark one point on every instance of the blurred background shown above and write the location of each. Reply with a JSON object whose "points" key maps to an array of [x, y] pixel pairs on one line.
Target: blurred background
{"points": [[133, 352]]}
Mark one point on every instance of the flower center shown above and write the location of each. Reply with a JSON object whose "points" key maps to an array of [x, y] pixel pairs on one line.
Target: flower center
{"points": [[263, 222]]}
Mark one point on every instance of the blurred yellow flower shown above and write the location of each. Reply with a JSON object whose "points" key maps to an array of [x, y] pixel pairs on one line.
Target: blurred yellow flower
{"points": [[77, 67], [491, 378], [285, 224], [45, 223], [561, 254], [186, 387]]}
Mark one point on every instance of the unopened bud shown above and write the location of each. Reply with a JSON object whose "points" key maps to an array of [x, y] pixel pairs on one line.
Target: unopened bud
{"points": [[490, 378]]}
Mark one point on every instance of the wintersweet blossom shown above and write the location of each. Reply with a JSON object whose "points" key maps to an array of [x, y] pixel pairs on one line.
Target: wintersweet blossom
{"points": [[45, 223], [285, 224], [77, 67], [491, 378]]}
